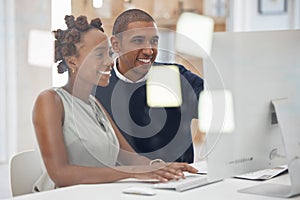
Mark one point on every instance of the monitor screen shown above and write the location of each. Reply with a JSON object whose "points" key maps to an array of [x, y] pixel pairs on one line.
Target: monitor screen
{"points": [[255, 68]]}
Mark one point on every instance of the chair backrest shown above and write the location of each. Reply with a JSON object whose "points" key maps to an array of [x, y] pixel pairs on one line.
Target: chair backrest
{"points": [[25, 168], [194, 31]]}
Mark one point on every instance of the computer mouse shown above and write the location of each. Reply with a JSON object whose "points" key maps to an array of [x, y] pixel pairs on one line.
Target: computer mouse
{"points": [[139, 190]]}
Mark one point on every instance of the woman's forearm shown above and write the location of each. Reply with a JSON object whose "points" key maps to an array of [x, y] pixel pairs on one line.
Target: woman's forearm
{"points": [[74, 175], [132, 158]]}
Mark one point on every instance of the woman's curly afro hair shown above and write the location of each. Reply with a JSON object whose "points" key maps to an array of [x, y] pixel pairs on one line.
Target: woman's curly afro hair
{"points": [[65, 40]]}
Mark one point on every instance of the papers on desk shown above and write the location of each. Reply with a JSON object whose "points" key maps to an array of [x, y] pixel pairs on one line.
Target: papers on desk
{"points": [[264, 174]]}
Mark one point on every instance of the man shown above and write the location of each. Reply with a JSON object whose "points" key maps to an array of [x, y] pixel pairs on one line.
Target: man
{"points": [[158, 133]]}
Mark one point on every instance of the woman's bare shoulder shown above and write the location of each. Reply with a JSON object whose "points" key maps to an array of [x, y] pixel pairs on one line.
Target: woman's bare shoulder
{"points": [[48, 95], [48, 99]]}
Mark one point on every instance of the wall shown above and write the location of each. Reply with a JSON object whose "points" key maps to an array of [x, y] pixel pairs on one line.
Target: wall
{"points": [[29, 14], [244, 16]]}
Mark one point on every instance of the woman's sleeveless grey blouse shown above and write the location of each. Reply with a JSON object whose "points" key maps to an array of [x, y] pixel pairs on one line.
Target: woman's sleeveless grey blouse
{"points": [[88, 135]]}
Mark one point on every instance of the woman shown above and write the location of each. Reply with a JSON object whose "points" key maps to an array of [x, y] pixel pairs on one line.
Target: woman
{"points": [[79, 142]]}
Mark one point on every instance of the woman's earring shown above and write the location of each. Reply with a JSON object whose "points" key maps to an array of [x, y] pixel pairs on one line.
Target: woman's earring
{"points": [[73, 70]]}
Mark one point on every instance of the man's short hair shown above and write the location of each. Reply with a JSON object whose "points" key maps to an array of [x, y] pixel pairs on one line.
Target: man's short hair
{"points": [[129, 16]]}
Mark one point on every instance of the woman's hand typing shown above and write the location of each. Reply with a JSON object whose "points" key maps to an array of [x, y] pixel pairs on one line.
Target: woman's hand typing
{"points": [[160, 171]]}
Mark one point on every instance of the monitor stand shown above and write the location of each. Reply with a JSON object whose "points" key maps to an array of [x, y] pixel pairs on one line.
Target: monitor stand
{"points": [[288, 116]]}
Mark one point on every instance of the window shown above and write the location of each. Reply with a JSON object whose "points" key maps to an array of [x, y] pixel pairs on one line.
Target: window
{"points": [[2, 88], [59, 8], [8, 108]]}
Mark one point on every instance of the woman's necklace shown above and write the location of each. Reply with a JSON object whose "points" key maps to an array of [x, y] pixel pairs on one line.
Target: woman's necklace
{"points": [[98, 112]]}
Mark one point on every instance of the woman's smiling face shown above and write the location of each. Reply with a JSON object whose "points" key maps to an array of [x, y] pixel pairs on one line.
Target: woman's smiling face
{"points": [[93, 58]]}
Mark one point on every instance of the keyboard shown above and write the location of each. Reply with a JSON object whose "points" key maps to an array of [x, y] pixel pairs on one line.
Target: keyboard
{"points": [[191, 181]]}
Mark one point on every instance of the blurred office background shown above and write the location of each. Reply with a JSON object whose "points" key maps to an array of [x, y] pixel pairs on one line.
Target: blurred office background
{"points": [[25, 70]]}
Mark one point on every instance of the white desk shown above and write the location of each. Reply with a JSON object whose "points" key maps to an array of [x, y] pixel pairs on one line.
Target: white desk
{"points": [[226, 189]]}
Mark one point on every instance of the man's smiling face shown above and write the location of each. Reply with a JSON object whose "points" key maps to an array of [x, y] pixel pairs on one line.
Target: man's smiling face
{"points": [[137, 49]]}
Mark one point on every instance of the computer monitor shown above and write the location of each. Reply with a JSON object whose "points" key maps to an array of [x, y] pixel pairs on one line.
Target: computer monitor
{"points": [[256, 68]]}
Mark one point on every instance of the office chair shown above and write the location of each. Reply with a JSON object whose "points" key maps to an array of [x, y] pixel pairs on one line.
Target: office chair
{"points": [[193, 39], [24, 169]]}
